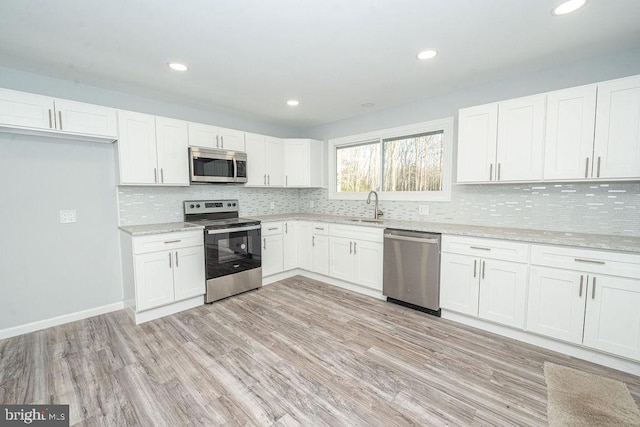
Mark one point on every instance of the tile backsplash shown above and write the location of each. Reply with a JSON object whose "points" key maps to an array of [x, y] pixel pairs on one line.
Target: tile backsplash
{"points": [[611, 208]]}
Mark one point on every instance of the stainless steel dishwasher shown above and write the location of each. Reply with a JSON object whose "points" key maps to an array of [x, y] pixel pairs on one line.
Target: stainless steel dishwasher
{"points": [[411, 270]]}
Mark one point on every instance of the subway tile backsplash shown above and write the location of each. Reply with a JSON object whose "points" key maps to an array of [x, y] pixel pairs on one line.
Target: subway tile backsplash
{"points": [[611, 208]]}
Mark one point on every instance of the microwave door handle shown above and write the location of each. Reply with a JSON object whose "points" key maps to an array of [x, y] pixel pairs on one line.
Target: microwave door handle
{"points": [[235, 170]]}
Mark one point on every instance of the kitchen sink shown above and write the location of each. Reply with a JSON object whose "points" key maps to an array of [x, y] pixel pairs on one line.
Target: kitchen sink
{"points": [[370, 221]]}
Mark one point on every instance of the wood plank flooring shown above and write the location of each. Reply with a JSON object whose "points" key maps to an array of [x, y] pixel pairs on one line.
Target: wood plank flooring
{"points": [[298, 352]]}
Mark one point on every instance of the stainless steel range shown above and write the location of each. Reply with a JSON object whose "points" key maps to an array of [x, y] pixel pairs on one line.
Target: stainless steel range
{"points": [[233, 255]]}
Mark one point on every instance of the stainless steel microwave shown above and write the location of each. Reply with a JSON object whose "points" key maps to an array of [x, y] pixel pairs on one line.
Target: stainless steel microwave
{"points": [[217, 166]]}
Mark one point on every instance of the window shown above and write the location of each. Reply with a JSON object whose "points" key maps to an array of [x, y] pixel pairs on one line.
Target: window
{"points": [[407, 163]]}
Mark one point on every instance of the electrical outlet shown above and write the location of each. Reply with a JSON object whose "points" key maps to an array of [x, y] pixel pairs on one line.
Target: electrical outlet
{"points": [[312, 204], [423, 210], [68, 216], [273, 205]]}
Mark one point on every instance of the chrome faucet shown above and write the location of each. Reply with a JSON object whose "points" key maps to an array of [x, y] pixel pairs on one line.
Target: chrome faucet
{"points": [[377, 213]]}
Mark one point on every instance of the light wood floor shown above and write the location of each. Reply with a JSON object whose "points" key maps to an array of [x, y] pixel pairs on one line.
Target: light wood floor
{"points": [[298, 352]]}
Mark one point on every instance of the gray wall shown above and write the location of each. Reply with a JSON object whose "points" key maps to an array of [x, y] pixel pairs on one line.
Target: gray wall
{"points": [[48, 269]]}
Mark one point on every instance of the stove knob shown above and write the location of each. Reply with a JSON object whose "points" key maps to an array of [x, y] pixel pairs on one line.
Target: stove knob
{"points": [[191, 206], [234, 204], [198, 205], [228, 204]]}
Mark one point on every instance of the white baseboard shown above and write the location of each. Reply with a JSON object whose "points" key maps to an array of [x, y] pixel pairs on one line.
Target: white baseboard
{"points": [[59, 320], [165, 310]]}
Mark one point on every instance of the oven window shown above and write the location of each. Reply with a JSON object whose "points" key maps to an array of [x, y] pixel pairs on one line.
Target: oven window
{"points": [[213, 167], [228, 253]]}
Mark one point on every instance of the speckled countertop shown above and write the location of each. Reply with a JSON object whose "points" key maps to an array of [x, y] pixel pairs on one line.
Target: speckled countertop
{"points": [[167, 227], [594, 241]]}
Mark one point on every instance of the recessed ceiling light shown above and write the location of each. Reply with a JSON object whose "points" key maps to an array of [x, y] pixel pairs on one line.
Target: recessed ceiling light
{"points": [[293, 103], [427, 54], [568, 7], [177, 66]]}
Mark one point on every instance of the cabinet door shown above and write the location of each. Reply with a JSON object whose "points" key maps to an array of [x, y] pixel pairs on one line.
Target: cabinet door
{"points": [[612, 321], [154, 279], [341, 259], [231, 139], [201, 135], [568, 145], [26, 110], [173, 155], [520, 139], [86, 118], [137, 148], [256, 146], [290, 245], [305, 242], [274, 162], [320, 253], [368, 264], [503, 292], [477, 136], [296, 163], [272, 261], [556, 303], [617, 140], [188, 272], [459, 283]]}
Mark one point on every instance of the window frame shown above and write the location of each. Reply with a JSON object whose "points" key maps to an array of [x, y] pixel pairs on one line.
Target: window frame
{"points": [[445, 125]]}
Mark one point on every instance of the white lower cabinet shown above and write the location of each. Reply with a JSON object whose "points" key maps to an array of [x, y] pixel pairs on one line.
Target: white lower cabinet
{"points": [[356, 255], [313, 247], [290, 245], [272, 248], [476, 284], [162, 269]]}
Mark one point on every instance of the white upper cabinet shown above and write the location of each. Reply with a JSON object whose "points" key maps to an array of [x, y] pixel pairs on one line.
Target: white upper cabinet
{"points": [[477, 138], [274, 162], [520, 139], [201, 135], [617, 135], [303, 160], [152, 150], [569, 133], [264, 161], [22, 111]]}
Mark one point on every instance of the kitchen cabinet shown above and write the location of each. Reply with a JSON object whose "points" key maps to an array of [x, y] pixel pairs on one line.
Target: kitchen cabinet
{"points": [[264, 161], [569, 133], [290, 245], [36, 112], [485, 278], [502, 141], [303, 163], [586, 297], [163, 269], [617, 135], [272, 248], [152, 150], [313, 247], [356, 255], [201, 135]]}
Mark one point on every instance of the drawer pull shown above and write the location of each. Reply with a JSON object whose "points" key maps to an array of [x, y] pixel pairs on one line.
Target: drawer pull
{"points": [[172, 241], [272, 229], [480, 248], [590, 261], [319, 228]]}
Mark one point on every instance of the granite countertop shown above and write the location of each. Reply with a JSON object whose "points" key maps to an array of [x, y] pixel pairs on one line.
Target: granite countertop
{"points": [[592, 241], [167, 227]]}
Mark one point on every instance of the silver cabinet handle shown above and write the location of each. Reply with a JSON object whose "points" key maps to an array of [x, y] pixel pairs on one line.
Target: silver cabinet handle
{"points": [[172, 241], [162, 175], [313, 241], [268, 179], [286, 180], [484, 267], [286, 228], [60, 117], [272, 228], [265, 179], [480, 248], [177, 265], [222, 141], [319, 228], [586, 169], [581, 282], [217, 141], [50, 121], [590, 261], [355, 248], [169, 259], [350, 248], [155, 175], [475, 262], [593, 290], [598, 167], [498, 172], [264, 244], [491, 172]]}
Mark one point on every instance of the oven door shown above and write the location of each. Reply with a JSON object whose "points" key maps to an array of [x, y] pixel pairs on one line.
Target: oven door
{"points": [[232, 250]]}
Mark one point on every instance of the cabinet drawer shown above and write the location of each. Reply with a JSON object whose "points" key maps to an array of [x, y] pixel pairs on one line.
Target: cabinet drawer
{"points": [[613, 263], [356, 232], [167, 241], [320, 229], [271, 228], [486, 248]]}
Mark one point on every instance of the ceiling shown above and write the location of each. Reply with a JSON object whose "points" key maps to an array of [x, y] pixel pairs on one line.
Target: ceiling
{"points": [[248, 57]]}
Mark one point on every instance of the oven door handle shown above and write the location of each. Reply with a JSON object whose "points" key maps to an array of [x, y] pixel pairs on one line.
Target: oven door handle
{"points": [[232, 230]]}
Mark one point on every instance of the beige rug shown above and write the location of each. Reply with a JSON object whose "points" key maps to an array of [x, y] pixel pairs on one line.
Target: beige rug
{"points": [[576, 398]]}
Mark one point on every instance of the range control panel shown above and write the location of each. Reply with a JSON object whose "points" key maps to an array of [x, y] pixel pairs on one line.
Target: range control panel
{"points": [[210, 206]]}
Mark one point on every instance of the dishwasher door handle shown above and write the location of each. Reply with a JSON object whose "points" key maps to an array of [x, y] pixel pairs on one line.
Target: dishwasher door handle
{"points": [[411, 239]]}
